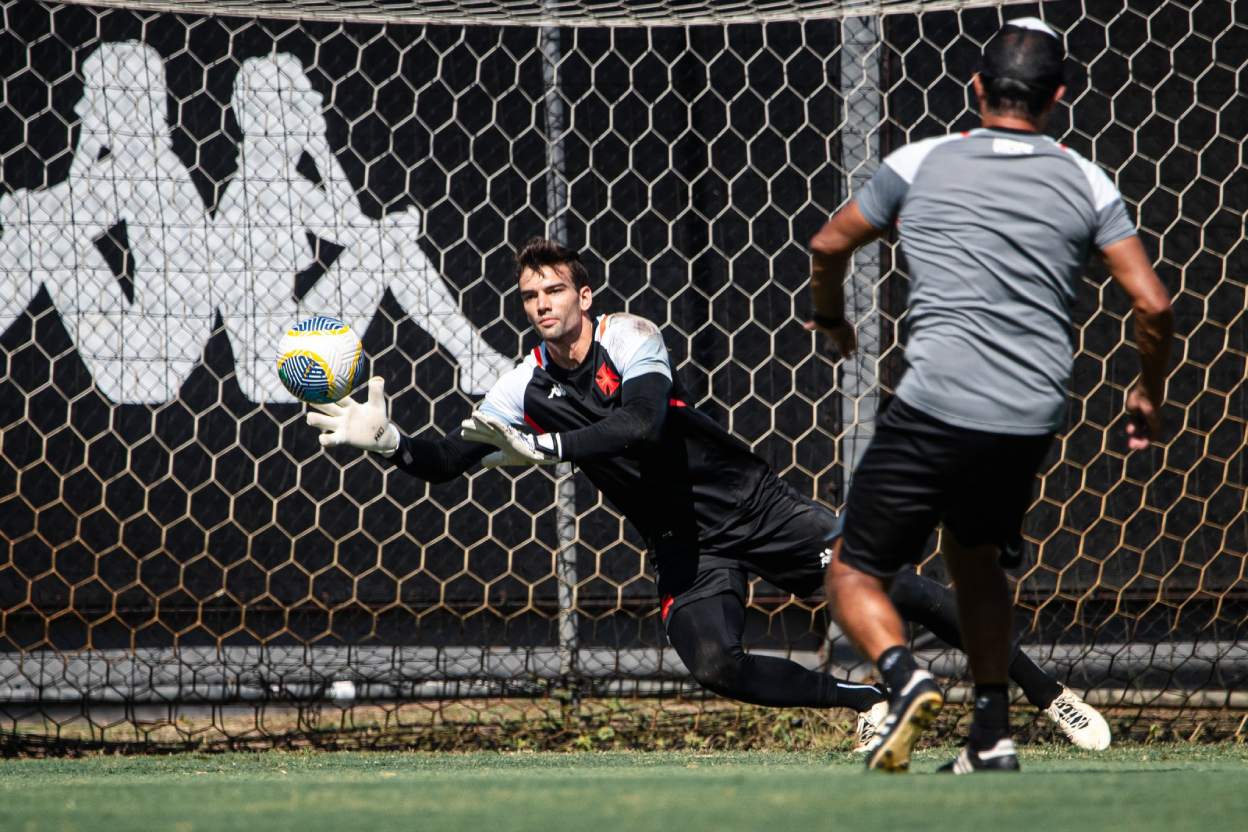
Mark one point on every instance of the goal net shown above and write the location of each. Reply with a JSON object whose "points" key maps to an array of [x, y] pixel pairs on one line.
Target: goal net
{"points": [[180, 561]]}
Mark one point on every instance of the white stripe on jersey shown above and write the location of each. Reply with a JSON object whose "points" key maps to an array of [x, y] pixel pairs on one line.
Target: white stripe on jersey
{"points": [[505, 400], [1104, 192], [635, 345], [905, 161]]}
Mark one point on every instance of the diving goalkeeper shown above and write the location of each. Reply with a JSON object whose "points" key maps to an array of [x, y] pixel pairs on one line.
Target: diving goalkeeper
{"points": [[600, 393]]}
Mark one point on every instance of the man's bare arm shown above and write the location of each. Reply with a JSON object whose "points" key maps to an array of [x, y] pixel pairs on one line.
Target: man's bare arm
{"points": [[1154, 328], [832, 250]]}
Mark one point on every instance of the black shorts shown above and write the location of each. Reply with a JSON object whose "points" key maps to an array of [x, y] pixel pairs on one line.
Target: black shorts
{"points": [[786, 542], [919, 472]]}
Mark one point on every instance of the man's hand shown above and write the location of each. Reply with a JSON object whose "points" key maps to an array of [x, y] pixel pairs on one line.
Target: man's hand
{"points": [[1143, 419], [364, 426], [515, 447], [844, 341], [1154, 329], [831, 251]]}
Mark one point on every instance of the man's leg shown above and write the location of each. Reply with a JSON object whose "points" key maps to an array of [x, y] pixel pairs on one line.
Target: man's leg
{"points": [[706, 634], [985, 610], [861, 607], [985, 614], [988, 500], [894, 503], [932, 605]]}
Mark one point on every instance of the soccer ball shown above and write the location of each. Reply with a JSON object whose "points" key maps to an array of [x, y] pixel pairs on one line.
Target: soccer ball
{"points": [[320, 360]]}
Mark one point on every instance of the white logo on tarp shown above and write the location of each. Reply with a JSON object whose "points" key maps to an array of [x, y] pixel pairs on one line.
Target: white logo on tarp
{"points": [[188, 265]]}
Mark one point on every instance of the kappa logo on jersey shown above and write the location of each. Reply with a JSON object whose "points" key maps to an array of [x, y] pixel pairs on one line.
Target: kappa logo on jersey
{"points": [[556, 392], [825, 557], [606, 379]]}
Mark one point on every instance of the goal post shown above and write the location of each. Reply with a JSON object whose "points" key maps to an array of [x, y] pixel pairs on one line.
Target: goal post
{"points": [[180, 179]]}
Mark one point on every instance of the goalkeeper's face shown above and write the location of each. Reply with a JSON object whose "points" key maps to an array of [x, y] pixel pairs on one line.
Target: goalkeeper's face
{"points": [[556, 308]]}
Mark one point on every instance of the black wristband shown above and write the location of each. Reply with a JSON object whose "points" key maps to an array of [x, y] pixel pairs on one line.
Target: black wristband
{"points": [[827, 321]]}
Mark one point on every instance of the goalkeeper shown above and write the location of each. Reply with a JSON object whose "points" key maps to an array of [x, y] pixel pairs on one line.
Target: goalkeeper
{"points": [[600, 393]]}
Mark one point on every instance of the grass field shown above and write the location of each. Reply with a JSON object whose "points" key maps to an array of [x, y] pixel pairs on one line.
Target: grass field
{"points": [[1137, 788]]}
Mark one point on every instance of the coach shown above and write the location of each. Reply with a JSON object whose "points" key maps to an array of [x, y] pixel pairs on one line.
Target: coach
{"points": [[996, 225]]}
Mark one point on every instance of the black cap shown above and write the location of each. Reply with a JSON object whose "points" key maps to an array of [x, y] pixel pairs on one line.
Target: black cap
{"points": [[1026, 51]]}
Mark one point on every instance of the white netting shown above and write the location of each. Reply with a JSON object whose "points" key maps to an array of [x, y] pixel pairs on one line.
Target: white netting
{"points": [[177, 187], [593, 13]]}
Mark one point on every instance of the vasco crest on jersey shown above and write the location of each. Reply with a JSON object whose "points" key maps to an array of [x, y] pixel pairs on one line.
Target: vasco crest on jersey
{"points": [[607, 380]]}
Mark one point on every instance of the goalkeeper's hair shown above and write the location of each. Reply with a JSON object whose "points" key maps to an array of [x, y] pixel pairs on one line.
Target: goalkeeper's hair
{"points": [[1021, 70], [539, 253]]}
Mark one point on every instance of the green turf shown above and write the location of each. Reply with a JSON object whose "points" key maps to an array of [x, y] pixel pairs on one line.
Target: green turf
{"points": [[1133, 788]]}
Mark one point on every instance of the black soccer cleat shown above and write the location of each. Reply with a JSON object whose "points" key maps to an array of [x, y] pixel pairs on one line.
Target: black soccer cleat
{"points": [[1001, 757], [912, 710]]}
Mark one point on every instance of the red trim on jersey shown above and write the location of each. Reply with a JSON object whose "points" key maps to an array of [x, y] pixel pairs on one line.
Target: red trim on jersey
{"points": [[676, 403], [537, 354], [665, 606], [528, 420], [966, 133]]}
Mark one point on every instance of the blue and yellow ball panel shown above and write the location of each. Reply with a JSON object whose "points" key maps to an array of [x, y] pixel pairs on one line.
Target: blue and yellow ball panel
{"points": [[320, 360], [306, 377], [319, 325]]}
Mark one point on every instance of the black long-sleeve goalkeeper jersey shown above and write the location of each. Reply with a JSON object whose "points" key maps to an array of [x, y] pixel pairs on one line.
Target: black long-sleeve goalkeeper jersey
{"points": [[625, 421]]}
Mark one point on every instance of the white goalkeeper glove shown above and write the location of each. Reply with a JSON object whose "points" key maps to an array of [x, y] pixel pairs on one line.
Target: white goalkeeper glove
{"points": [[514, 447], [360, 425]]}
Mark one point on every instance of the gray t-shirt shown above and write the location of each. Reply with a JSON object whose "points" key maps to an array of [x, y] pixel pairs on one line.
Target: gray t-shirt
{"points": [[997, 227]]}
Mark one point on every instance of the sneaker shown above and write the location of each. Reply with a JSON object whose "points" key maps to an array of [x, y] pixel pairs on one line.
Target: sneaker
{"points": [[868, 724], [1001, 757], [1080, 722], [913, 708]]}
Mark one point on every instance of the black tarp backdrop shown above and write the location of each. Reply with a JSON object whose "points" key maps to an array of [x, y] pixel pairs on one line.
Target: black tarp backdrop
{"points": [[699, 162]]}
